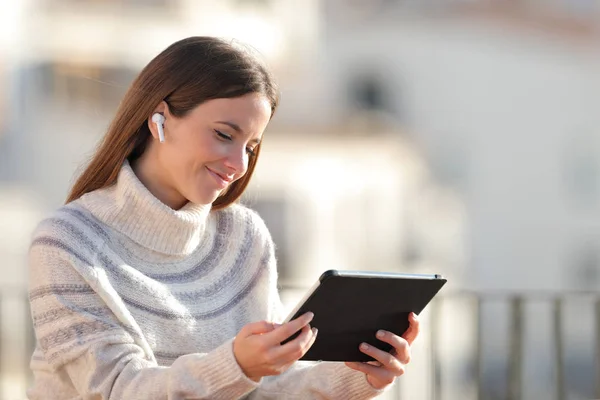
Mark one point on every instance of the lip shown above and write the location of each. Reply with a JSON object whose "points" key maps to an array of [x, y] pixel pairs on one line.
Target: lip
{"points": [[222, 181]]}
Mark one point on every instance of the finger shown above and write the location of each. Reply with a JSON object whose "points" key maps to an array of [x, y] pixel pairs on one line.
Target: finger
{"points": [[286, 330], [388, 361], [256, 328], [300, 345], [288, 363], [379, 373], [401, 347], [312, 340], [295, 349], [413, 329], [305, 349]]}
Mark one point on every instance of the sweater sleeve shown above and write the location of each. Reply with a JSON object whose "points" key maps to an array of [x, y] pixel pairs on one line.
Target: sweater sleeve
{"points": [[117, 371], [82, 335], [324, 380]]}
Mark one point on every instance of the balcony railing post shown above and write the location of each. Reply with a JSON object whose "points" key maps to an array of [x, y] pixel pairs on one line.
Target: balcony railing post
{"points": [[559, 377], [516, 349], [479, 348], [597, 319], [434, 326]]}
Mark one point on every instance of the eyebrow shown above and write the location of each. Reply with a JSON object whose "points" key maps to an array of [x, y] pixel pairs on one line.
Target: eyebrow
{"points": [[237, 128]]}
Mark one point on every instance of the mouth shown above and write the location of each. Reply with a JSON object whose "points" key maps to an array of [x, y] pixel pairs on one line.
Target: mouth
{"points": [[222, 180]]}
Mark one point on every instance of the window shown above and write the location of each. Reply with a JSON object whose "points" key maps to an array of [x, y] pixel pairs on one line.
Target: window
{"points": [[367, 93], [587, 266]]}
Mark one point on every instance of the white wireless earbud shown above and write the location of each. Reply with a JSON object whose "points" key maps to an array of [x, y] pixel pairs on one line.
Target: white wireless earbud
{"points": [[159, 120]]}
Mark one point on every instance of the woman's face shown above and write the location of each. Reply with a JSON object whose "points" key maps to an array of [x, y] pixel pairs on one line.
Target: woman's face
{"points": [[206, 150]]}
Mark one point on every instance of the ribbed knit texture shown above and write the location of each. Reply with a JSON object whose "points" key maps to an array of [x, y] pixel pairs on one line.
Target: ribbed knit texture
{"points": [[133, 300]]}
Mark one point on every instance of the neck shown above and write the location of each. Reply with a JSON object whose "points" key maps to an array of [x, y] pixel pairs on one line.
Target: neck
{"points": [[132, 209], [148, 171]]}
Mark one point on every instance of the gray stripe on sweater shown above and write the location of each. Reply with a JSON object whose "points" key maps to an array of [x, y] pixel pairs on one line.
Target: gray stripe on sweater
{"points": [[199, 271], [57, 313], [59, 289], [87, 219], [125, 278], [97, 320], [76, 332], [168, 356], [81, 342], [170, 315]]}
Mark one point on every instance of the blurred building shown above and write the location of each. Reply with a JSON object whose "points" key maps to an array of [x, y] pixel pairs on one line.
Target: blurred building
{"points": [[67, 86], [501, 99], [71, 62], [458, 137]]}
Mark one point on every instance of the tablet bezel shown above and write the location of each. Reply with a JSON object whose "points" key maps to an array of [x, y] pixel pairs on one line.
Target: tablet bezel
{"points": [[335, 352], [357, 274]]}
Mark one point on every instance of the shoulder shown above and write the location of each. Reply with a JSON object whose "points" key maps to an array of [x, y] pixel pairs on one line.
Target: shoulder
{"points": [[67, 222], [70, 229]]}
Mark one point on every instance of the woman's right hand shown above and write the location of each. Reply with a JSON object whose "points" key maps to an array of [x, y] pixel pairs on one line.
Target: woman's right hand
{"points": [[258, 350]]}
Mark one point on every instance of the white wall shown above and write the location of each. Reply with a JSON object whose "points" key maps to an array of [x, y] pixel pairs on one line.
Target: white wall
{"points": [[501, 112]]}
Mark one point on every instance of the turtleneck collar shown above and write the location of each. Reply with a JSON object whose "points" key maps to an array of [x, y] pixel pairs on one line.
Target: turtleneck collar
{"points": [[129, 208]]}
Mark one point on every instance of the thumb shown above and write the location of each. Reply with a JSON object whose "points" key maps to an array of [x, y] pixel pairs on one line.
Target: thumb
{"points": [[257, 328]]}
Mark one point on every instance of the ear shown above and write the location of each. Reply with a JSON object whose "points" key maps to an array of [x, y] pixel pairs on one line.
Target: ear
{"points": [[162, 108]]}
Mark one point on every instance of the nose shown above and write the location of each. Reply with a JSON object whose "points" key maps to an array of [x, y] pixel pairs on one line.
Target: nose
{"points": [[237, 162]]}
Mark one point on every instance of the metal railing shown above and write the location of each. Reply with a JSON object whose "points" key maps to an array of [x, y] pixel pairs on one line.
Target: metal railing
{"points": [[517, 302]]}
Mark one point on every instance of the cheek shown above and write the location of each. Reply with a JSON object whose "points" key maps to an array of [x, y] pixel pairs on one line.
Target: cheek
{"points": [[197, 148], [211, 149]]}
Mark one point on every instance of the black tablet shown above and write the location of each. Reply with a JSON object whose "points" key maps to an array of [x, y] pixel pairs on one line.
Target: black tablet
{"points": [[351, 306]]}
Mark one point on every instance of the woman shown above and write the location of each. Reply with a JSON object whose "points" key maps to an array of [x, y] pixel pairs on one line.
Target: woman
{"points": [[150, 283]]}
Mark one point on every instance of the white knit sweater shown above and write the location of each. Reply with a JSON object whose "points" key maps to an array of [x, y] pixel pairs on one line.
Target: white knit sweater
{"points": [[133, 300]]}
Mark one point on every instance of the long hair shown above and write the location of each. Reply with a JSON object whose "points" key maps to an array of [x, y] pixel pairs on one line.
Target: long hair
{"points": [[186, 74]]}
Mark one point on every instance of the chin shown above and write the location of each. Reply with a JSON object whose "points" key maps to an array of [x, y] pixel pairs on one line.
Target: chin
{"points": [[203, 198]]}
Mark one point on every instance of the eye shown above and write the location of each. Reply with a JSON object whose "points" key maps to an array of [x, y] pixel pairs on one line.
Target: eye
{"points": [[223, 136]]}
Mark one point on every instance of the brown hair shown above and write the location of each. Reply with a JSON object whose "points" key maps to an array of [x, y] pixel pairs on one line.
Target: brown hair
{"points": [[186, 74]]}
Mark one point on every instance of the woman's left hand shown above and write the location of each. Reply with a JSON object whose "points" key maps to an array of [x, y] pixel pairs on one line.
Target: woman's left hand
{"points": [[388, 366]]}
